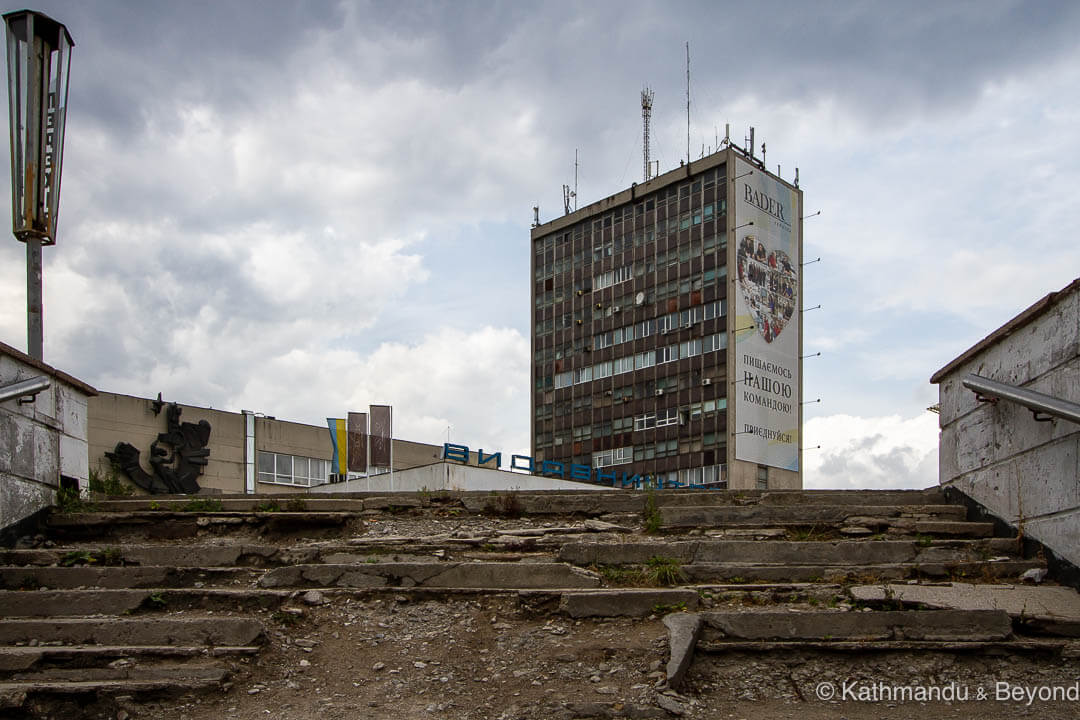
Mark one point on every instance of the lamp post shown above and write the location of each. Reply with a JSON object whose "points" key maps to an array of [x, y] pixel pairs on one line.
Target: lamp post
{"points": [[39, 59]]}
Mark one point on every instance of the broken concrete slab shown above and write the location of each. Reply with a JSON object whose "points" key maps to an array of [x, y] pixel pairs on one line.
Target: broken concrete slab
{"points": [[1052, 603], [684, 629]]}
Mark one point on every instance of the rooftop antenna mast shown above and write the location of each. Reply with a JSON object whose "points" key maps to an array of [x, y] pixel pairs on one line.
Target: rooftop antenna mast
{"points": [[646, 116], [687, 102], [575, 178]]}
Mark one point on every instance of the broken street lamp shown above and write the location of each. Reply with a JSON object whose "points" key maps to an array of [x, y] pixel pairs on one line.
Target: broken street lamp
{"points": [[39, 58]]}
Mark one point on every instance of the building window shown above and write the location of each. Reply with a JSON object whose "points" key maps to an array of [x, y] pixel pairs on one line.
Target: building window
{"points": [[617, 456], [283, 469], [645, 422], [762, 477]]}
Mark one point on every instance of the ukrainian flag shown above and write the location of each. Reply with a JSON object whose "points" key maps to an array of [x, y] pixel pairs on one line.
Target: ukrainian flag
{"points": [[338, 439]]}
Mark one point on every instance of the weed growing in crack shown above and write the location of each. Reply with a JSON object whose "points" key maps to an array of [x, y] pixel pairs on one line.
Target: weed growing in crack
{"points": [[664, 571]]}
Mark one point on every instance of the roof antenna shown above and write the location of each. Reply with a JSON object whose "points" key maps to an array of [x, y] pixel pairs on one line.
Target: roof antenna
{"points": [[646, 116], [575, 178], [687, 102], [536, 216]]}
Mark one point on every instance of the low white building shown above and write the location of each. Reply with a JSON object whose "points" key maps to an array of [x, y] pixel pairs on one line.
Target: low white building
{"points": [[455, 476]]}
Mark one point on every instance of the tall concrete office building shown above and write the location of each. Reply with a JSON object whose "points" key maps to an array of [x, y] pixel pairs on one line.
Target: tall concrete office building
{"points": [[666, 329]]}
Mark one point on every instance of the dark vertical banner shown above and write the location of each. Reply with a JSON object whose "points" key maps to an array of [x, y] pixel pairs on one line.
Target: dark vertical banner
{"points": [[381, 433], [358, 442]]}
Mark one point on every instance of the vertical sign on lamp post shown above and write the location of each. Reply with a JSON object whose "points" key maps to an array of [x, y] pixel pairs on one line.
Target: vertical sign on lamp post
{"points": [[39, 60]]}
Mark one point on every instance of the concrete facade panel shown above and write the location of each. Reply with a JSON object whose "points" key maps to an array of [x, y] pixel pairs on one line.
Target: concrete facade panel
{"points": [[1047, 478], [995, 487], [40, 438], [977, 449], [74, 458], [1061, 533], [20, 498]]}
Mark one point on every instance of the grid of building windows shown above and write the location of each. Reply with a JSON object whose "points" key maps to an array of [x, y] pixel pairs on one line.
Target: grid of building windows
{"points": [[283, 469], [630, 331]]}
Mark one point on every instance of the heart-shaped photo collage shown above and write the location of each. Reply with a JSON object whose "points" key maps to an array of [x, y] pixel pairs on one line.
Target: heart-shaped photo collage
{"points": [[769, 283]]}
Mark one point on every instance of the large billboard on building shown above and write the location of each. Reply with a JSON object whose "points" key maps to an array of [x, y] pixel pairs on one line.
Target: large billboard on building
{"points": [[765, 384]]}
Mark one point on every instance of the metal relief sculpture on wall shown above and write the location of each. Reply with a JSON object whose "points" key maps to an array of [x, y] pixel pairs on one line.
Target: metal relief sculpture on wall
{"points": [[178, 456]]}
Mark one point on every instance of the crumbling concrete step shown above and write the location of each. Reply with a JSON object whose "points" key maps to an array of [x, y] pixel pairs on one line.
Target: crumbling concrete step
{"points": [[1052, 610], [800, 515], [772, 553], [626, 602], [142, 630], [14, 694], [590, 503], [747, 572], [125, 671], [258, 503], [181, 524], [58, 603], [800, 498], [960, 529], [1049, 646], [17, 659], [495, 575], [930, 625], [77, 603], [122, 577], [186, 555]]}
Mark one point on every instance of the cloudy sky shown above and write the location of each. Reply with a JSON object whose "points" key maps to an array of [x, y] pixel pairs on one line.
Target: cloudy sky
{"points": [[302, 208]]}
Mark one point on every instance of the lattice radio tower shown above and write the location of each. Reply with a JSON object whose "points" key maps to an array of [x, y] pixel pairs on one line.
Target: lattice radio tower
{"points": [[646, 116]]}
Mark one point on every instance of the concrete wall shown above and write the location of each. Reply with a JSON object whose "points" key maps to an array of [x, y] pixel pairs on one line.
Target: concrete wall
{"points": [[1025, 472], [454, 476], [118, 418], [40, 440], [115, 418]]}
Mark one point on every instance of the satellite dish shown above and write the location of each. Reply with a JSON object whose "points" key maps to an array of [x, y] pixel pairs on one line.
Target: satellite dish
{"points": [[639, 299]]}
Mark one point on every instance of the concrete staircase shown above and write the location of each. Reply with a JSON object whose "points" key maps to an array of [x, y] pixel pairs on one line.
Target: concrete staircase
{"points": [[159, 600]]}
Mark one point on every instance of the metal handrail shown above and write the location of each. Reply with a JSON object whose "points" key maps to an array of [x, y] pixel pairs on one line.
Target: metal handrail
{"points": [[1036, 402], [24, 387]]}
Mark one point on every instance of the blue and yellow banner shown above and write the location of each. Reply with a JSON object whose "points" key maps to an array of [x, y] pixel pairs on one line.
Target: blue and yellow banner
{"points": [[339, 440]]}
